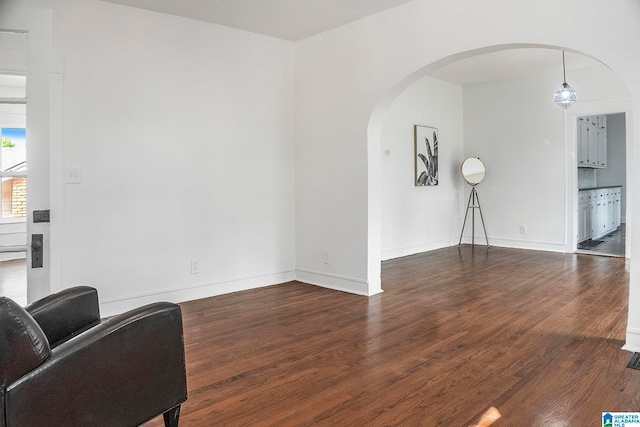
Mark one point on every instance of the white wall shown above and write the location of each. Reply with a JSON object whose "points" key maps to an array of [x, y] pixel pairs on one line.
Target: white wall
{"points": [[184, 134], [519, 134], [418, 219]]}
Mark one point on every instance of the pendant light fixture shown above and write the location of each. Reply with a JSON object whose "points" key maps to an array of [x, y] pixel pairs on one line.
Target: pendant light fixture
{"points": [[565, 96]]}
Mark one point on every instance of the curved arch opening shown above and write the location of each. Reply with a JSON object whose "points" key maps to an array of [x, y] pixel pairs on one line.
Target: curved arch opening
{"points": [[560, 145]]}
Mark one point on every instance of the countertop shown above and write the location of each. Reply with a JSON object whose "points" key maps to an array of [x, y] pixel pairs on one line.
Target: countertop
{"points": [[598, 188]]}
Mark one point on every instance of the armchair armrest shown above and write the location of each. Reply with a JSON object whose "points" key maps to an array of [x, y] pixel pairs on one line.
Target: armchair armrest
{"points": [[66, 313], [122, 372]]}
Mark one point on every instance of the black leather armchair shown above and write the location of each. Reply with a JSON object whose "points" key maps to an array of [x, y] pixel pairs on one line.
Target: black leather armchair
{"points": [[61, 365]]}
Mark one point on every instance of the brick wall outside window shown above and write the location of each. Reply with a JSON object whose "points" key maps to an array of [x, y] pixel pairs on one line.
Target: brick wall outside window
{"points": [[14, 198]]}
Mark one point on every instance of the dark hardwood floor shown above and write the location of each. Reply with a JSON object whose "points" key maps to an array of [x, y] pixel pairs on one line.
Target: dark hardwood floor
{"points": [[536, 334]]}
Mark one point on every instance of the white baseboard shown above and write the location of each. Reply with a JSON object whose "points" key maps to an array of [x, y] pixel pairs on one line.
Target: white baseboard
{"points": [[522, 244], [337, 282], [110, 307], [176, 295], [466, 240], [411, 250]]}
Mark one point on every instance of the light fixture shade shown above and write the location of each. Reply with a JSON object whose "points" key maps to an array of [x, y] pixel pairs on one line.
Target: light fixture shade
{"points": [[565, 96]]}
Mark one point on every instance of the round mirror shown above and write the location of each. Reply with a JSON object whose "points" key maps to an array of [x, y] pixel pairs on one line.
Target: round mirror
{"points": [[473, 170]]}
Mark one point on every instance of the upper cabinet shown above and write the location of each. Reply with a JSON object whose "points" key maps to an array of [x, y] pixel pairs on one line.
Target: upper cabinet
{"points": [[592, 141]]}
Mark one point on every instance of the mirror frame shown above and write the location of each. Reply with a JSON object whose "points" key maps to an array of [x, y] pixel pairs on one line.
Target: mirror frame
{"points": [[473, 161]]}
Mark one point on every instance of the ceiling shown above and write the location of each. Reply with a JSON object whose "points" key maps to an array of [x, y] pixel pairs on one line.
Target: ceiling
{"points": [[297, 19], [285, 19]]}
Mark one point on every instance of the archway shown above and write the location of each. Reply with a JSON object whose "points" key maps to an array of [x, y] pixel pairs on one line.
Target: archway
{"points": [[376, 156]]}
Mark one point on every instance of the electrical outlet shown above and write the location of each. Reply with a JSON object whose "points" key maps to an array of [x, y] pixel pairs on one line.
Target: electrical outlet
{"points": [[195, 266], [326, 258], [73, 176], [523, 229]]}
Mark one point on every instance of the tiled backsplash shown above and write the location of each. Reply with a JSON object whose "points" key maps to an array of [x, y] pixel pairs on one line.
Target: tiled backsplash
{"points": [[587, 178]]}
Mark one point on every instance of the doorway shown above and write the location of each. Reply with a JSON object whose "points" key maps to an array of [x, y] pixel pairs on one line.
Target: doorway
{"points": [[13, 166], [602, 184], [25, 56]]}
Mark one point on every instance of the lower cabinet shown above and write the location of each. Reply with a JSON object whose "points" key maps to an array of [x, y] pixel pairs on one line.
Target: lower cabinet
{"points": [[584, 221], [598, 212], [599, 219]]}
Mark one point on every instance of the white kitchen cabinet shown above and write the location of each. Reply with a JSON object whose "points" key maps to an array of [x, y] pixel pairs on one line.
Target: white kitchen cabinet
{"points": [[599, 219], [602, 148], [610, 216], [613, 208], [592, 142], [584, 221], [583, 144], [598, 212]]}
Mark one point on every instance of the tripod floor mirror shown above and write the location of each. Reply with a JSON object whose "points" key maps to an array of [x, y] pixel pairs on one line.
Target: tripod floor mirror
{"points": [[473, 172]]}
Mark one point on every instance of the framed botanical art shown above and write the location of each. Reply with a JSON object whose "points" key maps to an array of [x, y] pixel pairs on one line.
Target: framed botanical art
{"points": [[426, 155]]}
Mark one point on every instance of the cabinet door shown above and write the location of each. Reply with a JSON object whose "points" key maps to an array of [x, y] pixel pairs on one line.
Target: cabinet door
{"points": [[594, 219], [583, 143], [581, 221], [598, 219], [588, 211], [594, 148], [602, 148], [602, 217], [584, 221], [610, 216]]}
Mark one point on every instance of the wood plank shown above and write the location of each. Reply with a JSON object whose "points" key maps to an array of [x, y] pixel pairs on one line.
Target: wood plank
{"points": [[536, 334]]}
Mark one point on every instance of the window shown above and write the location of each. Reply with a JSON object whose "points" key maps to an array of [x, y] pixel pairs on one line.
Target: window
{"points": [[13, 158], [13, 111]]}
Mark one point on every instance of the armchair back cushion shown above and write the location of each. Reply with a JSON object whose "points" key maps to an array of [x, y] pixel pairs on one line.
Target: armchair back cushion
{"points": [[23, 344], [66, 314]]}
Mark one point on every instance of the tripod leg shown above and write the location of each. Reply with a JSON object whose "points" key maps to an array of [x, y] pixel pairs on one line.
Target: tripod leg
{"points": [[482, 219], [473, 218], [465, 218]]}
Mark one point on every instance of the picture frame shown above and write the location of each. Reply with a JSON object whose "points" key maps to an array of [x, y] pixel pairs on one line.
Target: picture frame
{"points": [[426, 156]]}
